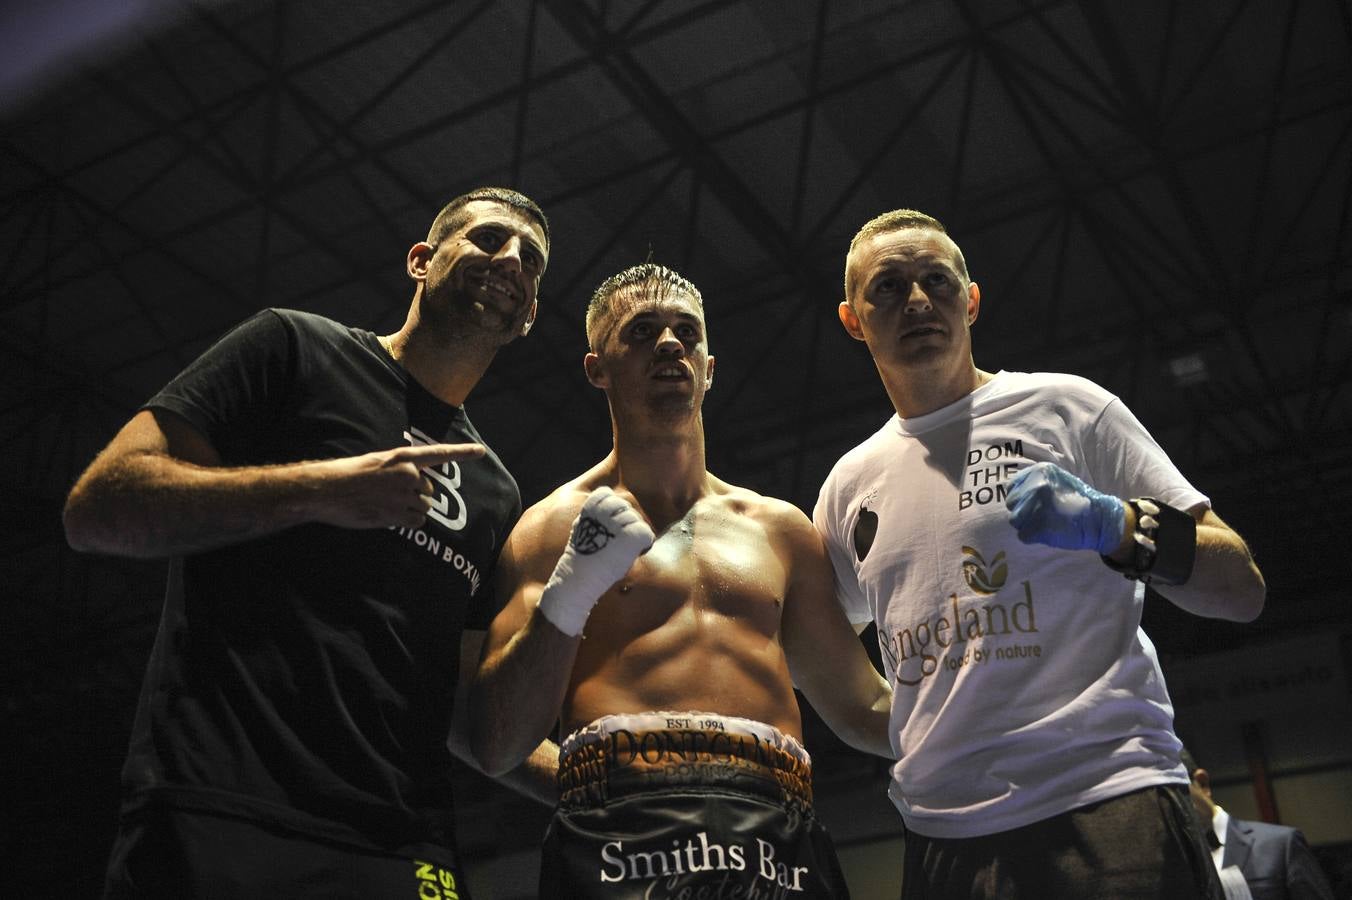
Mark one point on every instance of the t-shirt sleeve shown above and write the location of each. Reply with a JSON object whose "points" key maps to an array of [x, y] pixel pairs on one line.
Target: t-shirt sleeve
{"points": [[235, 383], [486, 603], [1124, 460], [828, 519], [482, 611]]}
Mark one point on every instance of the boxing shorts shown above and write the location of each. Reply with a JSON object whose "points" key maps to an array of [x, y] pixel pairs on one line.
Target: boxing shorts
{"points": [[686, 805]]}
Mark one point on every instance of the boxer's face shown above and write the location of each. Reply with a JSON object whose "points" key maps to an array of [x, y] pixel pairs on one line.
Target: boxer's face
{"points": [[653, 351], [908, 299]]}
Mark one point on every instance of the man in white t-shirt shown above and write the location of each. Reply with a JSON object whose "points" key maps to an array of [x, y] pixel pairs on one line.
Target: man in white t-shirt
{"points": [[980, 529]]}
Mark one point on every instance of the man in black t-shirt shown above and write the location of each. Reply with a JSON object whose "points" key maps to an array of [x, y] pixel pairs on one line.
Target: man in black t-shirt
{"points": [[331, 518]]}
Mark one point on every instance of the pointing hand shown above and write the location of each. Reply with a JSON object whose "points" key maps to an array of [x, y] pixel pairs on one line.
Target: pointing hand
{"points": [[384, 488]]}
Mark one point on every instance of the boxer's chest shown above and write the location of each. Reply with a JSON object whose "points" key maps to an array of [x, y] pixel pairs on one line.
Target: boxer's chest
{"points": [[713, 560]]}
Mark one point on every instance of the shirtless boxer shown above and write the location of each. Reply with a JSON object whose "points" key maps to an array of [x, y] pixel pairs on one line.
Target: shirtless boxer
{"points": [[667, 639]]}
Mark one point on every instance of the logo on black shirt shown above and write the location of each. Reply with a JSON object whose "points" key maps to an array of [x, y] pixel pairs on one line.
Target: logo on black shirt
{"points": [[447, 476], [448, 510]]}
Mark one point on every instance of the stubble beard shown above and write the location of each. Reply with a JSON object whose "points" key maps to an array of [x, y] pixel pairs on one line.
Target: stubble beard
{"points": [[473, 317], [672, 406], [666, 413], [675, 409], [929, 353]]}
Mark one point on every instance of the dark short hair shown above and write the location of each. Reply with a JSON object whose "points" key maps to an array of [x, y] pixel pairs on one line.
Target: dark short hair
{"points": [[453, 215], [660, 277], [896, 220]]}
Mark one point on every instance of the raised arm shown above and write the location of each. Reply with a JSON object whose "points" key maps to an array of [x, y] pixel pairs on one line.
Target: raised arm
{"points": [[159, 489], [537, 777], [526, 661], [552, 571], [1049, 505], [826, 658]]}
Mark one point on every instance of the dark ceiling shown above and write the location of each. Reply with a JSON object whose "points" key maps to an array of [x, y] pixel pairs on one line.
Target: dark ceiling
{"points": [[1155, 195]]}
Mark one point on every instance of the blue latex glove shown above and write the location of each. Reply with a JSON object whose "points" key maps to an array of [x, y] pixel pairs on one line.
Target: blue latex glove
{"points": [[1048, 505]]}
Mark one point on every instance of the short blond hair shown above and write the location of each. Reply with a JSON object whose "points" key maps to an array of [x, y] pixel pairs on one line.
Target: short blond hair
{"points": [[897, 220]]}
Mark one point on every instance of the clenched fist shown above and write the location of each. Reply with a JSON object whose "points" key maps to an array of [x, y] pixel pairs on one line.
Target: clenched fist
{"points": [[1049, 505], [608, 535]]}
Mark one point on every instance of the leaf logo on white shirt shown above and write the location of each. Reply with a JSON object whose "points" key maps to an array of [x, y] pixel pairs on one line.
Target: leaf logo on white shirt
{"points": [[974, 571]]}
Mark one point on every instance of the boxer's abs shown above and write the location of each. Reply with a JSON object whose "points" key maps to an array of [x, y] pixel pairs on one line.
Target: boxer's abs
{"points": [[694, 625]]}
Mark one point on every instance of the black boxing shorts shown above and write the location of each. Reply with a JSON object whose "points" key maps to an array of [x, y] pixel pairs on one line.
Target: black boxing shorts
{"points": [[686, 805]]}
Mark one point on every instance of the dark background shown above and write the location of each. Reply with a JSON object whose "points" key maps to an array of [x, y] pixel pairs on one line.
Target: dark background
{"points": [[1153, 195]]}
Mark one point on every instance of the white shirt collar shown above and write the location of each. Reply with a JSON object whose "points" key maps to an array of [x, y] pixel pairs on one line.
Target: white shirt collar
{"points": [[1220, 823]]}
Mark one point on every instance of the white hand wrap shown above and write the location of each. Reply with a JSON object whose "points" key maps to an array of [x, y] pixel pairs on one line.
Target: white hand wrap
{"points": [[608, 535]]}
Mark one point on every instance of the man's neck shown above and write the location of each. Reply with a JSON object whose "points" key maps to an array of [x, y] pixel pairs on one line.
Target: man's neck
{"points": [[663, 467], [916, 393], [447, 365]]}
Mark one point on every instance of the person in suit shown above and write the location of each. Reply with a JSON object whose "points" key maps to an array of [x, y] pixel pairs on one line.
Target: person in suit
{"points": [[1274, 859]]}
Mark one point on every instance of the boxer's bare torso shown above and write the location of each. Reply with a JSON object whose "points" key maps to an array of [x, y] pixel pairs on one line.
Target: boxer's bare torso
{"points": [[734, 589], [695, 623]]}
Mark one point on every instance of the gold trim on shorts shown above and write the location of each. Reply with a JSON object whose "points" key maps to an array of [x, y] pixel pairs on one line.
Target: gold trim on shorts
{"points": [[623, 755]]}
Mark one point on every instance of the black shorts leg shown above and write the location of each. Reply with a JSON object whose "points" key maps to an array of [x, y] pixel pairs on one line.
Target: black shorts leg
{"points": [[176, 854]]}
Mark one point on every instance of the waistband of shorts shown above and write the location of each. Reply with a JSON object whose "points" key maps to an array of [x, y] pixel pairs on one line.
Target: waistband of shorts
{"points": [[651, 752]]}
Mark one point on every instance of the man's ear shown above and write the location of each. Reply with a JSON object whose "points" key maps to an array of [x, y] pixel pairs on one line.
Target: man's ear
{"points": [[709, 374], [1203, 779], [419, 256], [595, 369], [850, 320], [973, 302], [530, 318]]}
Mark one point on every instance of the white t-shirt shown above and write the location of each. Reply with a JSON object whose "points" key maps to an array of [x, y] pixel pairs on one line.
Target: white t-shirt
{"points": [[1024, 685]]}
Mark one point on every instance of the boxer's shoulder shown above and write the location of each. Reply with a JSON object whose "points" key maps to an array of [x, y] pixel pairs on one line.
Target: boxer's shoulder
{"points": [[545, 526]]}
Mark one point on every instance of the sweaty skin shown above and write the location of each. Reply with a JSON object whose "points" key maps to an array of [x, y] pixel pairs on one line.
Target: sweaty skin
{"points": [[731, 607], [695, 623]]}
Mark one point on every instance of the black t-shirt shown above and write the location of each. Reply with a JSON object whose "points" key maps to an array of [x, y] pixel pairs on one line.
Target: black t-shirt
{"points": [[306, 679]]}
